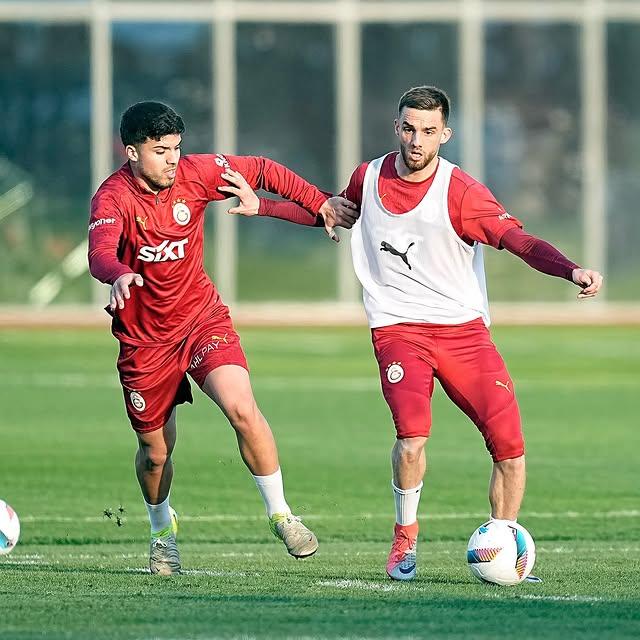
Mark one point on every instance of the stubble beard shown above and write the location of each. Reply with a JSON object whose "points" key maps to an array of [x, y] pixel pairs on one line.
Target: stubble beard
{"points": [[415, 165], [158, 184]]}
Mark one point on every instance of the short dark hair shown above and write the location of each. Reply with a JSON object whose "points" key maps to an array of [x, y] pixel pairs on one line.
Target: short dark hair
{"points": [[427, 98], [149, 120]]}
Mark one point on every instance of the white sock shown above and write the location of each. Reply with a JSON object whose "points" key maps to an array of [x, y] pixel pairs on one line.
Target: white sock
{"points": [[502, 520], [159, 516], [272, 492], [407, 501]]}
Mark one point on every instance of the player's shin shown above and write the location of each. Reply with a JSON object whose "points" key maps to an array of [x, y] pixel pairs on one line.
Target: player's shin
{"points": [[409, 464], [506, 489]]}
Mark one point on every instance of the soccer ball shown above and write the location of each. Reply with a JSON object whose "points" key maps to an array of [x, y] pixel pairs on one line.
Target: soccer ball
{"points": [[9, 528], [501, 552]]}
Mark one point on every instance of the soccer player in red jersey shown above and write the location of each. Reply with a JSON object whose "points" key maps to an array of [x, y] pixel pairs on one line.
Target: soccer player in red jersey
{"points": [[417, 250], [146, 241]]}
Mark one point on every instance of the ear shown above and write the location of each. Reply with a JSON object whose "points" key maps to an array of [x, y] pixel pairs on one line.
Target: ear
{"points": [[396, 127], [132, 153], [447, 132]]}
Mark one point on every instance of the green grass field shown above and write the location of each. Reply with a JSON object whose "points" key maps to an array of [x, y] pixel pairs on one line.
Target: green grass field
{"points": [[66, 454]]}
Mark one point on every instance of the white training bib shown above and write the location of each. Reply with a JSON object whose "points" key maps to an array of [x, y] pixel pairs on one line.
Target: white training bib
{"points": [[413, 266]]}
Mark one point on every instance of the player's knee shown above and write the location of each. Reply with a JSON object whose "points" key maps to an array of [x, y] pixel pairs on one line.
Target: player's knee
{"points": [[507, 450], [244, 416], [503, 434], [411, 422], [510, 466], [154, 457], [408, 450]]}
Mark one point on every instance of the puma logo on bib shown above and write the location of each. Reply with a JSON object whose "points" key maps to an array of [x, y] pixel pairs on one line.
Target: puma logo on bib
{"points": [[385, 246]]}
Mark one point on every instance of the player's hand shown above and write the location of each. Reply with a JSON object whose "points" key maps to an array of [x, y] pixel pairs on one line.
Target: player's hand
{"points": [[249, 201], [346, 212], [120, 289], [338, 212], [590, 281]]}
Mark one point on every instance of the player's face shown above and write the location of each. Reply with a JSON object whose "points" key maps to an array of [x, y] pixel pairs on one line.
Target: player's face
{"points": [[156, 161], [421, 133]]}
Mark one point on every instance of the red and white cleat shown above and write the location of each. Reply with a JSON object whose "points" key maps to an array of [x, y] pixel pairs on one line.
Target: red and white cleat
{"points": [[401, 564]]}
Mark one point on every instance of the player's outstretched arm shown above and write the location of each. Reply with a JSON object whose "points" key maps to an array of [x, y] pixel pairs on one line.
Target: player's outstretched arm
{"points": [[120, 290], [544, 257], [481, 218], [334, 212]]}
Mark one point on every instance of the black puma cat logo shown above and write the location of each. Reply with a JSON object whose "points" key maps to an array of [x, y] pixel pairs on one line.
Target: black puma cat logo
{"points": [[385, 246]]}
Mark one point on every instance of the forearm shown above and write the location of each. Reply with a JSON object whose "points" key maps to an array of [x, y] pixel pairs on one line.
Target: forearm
{"points": [[538, 254], [105, 266], [289, 211], [276, 178]]}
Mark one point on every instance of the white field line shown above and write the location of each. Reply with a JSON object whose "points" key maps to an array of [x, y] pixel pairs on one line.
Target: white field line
{"points": [[298, 383], [199, 572], [385, 586], [18, 559], [574, 598], [233, 517], [531, 596], [358, 584]]}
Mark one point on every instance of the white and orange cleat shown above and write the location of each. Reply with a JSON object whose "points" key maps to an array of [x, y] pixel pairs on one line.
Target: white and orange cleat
{"points": [[401, 564]]}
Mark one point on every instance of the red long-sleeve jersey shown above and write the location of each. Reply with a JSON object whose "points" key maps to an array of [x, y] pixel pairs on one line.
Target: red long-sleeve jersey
{"points": [[133, 230], [476, 215]]}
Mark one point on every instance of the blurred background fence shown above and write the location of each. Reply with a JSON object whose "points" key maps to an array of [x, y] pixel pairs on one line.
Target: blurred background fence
{"points": [[545, 98]]}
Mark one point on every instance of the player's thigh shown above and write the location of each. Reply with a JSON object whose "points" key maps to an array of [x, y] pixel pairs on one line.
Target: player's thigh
{"points": [[230, 388], [474, 375], [214, 343], [153, 383], [406, 377]]}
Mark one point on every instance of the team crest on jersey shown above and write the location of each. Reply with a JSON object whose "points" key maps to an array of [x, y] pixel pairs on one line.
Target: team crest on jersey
{"points": [[181, 213], [137, 401], [395, 372]]}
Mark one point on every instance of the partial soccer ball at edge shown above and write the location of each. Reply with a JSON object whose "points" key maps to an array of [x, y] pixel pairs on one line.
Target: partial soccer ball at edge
{"points": [[500, 552], [9, 528]]}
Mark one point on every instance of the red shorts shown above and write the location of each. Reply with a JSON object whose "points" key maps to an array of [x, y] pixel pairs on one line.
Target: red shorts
{"points": [[468, 366], [154, 378]]}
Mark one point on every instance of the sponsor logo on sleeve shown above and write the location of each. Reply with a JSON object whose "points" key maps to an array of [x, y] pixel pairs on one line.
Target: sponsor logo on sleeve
{"points": [[181, 212], [505, 216], [221, 161], [100, 222]]}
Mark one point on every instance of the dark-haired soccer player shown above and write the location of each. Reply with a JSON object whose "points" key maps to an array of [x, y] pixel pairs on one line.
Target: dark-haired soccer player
{"points": [[146, 240], [417, 250]]}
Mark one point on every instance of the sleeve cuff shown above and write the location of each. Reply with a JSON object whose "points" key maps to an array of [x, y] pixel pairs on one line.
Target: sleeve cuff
{"points": [[318, 202], [118, 273], [265, 206]]}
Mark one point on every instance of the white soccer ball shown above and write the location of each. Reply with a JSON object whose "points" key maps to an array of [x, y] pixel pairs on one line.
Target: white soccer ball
{"points": [[500, 552], [9, 528]]}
